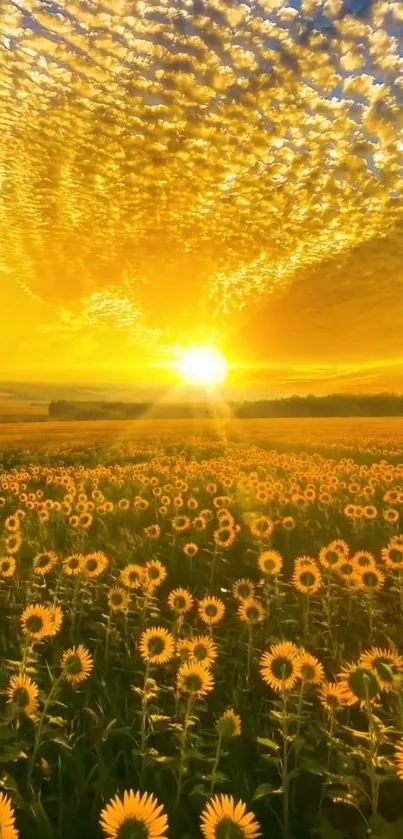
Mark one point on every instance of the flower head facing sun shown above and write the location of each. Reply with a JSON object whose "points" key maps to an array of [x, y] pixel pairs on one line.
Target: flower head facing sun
{"points": [[211, 610], [279, 667], [194, 678], [134, 816], [156, 645], [180, 601], [77, 664], [35, 622], [23, 694], [387, 666], [203, 649], [225, 818]]}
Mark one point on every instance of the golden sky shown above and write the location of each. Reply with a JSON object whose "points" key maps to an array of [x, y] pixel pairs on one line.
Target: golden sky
{"points": [[183, 172]]}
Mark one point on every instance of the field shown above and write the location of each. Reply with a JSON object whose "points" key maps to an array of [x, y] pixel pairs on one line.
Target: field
{"points": [[203, 614]]}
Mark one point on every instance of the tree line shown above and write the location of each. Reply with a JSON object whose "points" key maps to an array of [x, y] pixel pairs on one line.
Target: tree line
{"points": [[332, 405]]}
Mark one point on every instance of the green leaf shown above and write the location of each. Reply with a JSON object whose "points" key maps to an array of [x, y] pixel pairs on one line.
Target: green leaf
{"points": [[108, 729], [263, 790], [270, 744]]}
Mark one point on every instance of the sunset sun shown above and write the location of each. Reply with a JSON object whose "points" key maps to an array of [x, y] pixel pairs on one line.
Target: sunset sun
{"points": [[203, 366]]}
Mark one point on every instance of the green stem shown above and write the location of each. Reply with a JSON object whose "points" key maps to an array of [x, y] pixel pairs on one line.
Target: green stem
{"points": [[143, 747], [249, 656], [38, 735], [183, 744], [216, 762], [285, 778]]}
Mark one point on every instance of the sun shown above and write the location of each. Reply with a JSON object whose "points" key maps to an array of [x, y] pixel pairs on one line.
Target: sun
{"points": [[202, 366]]}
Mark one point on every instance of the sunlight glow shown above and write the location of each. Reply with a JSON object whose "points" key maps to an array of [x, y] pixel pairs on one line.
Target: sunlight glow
{"points": [[202, 366]]}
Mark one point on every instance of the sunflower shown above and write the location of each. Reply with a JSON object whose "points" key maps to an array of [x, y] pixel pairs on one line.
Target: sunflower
{"points": [[132, 576], [199, 523], [190, 549], [243, 589], [12, 524], [36, 623], [229, 724], [194, 678], [203, 649], [224, 818], [93, 565], [44, 563], [7, 818], [155, 572], [153, 531], [270, 563], [345, 570], [7, 566], [310, 670], [156, 645], [332, 695], [369, 580], [180, 601], [262, 528], [13, 543], [328, 557], [288, 523], [23, 694], [135, 816], [363, 559], [391, 516], [398, 761], [77, 664], [251, 611], [370, 512], [118, 599], [85, 521], [279, 666], [183, 648], [180, 524], [224, 537], [386, 664], [392, 556], [360, 684], [56, 619], [211, 610], [307, 578]]}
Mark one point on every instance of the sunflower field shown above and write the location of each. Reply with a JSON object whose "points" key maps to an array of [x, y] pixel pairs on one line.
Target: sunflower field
{"points": [[200, 638]]}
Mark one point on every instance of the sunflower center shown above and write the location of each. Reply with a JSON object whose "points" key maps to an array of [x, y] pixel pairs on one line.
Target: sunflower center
{"points": [[308, 672], [211, 610], [5, 565], [133, 577], [180, 602], [74, 562], [116, 599], [307, 579], [43, 561], [200, 652], [193, 682], [370, 579], [227, 829], [34, 623], [156, 646], [252, 613], [282, 668], [21, 697], [332, 557], [244, 591], [153, 573], [92, 564], [347, 569], [395, 556], [132, 829], [74, 666]]}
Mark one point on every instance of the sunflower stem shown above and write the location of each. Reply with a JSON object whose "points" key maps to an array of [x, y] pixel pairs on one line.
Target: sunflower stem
{"points": [[183, 744], [38, 734], [144, 727], [285, 776], [216, 762]]}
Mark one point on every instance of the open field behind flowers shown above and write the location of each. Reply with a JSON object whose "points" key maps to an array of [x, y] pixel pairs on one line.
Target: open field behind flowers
{"points": [[201, 634]]}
